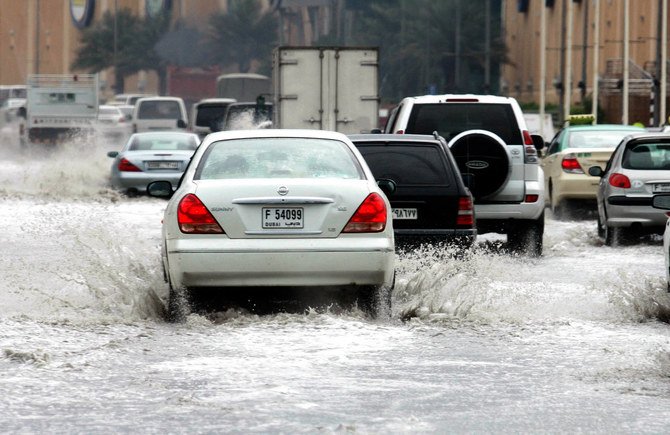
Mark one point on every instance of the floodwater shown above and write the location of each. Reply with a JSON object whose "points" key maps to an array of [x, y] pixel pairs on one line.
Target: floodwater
{"points": [[575, 341]]}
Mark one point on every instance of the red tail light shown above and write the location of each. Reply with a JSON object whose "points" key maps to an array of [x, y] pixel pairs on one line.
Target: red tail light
{"points": [[532, 198], [194, 218], [370, 216], [466, 216], [122, 119], [571, 165], [126, 166], [619, 180], [527, 140], [400, 132]]}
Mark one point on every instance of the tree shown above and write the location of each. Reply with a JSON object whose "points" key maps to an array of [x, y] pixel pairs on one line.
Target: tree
{"points": [[128, 50], [100, 49], [242, 35]]}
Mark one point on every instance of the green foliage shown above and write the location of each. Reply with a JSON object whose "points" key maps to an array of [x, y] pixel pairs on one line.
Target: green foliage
{"points": [[421, 49], [135, 42], [242, 35]]}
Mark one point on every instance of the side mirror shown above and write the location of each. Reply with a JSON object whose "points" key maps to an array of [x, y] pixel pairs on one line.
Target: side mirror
{"points": [[181, 123], [112, 154], [538, 141], [596, 171], [387, 186], [661, 201], [160, 189]]}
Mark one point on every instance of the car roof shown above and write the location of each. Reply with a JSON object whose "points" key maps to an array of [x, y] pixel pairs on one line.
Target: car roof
{"points": [[159, 98], [372, 137], [460, 98], [216, 100], [605, 127], [272, 132]]}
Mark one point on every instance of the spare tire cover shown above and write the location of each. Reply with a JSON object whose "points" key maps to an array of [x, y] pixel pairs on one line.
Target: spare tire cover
{"points": [[484, 157]]}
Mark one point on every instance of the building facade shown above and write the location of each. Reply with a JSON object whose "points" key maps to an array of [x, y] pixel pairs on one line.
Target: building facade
{"points": [[572, 28]]}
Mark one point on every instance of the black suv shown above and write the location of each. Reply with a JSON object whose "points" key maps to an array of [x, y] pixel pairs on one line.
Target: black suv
{"points": [[431, 202]]}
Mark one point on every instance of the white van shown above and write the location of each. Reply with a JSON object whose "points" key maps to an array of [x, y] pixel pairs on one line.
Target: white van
{"points": [[160, 114]]}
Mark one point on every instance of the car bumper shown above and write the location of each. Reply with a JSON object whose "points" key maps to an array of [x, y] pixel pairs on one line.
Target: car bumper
{"points": [[626, 211], [140, 180], [517, 210], [575, 186], [411, 237], [222, 262]]}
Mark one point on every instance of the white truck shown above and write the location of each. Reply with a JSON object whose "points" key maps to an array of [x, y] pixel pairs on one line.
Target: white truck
{"points": [[59, 107], [326, 88]]}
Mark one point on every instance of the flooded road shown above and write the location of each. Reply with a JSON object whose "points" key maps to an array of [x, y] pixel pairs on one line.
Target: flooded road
{"points": [[575, 341]]}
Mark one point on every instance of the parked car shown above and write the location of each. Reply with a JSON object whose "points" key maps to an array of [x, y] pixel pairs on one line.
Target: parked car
{"points": [[638, 169], [277, 208], [159, 114], [113, 124], [245, 115], [127, 99], [431, 203], [151, 156], [489, 139], [207, 116], [566, 161], [662, 201]]}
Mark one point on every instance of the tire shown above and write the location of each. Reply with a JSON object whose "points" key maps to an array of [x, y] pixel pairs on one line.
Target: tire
{"points": [[375, 300], [484, 157], [178, 306], [601, 228], [559, 209], [526, 237], [615, 236]]}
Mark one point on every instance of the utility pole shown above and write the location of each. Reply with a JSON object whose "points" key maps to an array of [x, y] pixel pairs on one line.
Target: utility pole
{"points": [[543, 64], [567, 82], [596, 56], [626, 69], [664, 61]]}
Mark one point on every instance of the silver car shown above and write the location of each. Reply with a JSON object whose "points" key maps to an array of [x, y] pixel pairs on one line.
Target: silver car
{"points": [[152, 156], [638, 169]]}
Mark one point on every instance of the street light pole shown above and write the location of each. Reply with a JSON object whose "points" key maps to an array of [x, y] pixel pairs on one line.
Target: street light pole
{"points": [[626, 55], [596, 55]]}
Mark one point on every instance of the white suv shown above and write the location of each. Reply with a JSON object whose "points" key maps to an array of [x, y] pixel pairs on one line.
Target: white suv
{"points": [[497, 157]]}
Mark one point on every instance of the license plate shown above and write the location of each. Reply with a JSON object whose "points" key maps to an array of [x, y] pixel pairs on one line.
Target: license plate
{"points": [[162, 165], [661, 187], [405, 213], [282, 217]]}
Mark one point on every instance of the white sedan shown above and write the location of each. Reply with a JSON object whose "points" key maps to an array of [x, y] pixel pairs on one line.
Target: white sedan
{"points": [[662, 201], [276, 208]]}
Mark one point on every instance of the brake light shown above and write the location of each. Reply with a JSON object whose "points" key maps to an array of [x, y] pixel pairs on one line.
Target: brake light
{"points": [[122, 119], [194, 218], [527, 140], [126, 166], [532, 198], [466, 216], [462, 100], [370, 217], [619, 180], [571, 165], [400, 132]]}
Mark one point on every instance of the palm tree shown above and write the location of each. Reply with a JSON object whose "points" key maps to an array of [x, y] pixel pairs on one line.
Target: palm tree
{"points": [[242, 35]]}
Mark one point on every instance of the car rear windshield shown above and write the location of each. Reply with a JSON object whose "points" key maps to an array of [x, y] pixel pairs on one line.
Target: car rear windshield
{"points": [[159, 110], [278, 158], [453, 118], [598, 138], [211, 116], [407, 165], [647, 156], [163, 143]]}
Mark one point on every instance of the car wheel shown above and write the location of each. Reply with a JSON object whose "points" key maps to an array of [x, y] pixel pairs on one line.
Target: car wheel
{"points": [[483, 156], [375, 301], [559, 208], [527, 237], [178, 304], [601, 228], [615, 236]]}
